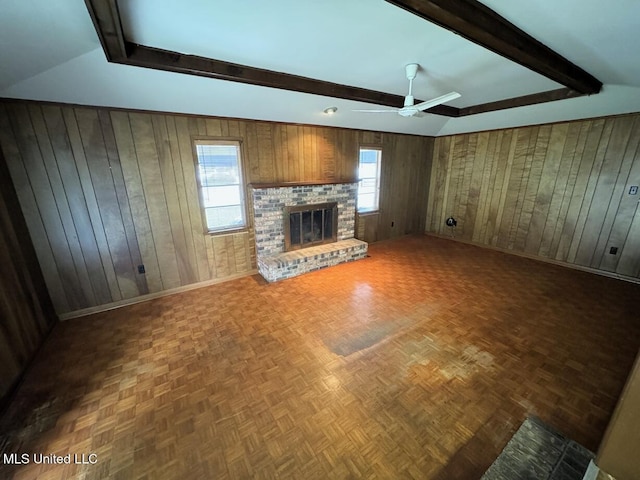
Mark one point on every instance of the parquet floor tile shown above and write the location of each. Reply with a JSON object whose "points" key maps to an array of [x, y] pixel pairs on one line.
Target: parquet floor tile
{"points": [[418, 362]]}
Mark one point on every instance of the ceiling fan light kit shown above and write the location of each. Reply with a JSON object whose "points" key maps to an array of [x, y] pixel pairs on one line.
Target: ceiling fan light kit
{"points": [[410, 109]]}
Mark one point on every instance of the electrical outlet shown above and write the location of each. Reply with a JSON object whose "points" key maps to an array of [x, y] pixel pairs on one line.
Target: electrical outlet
{"points": [[633, 190], [613, 250], [140, 269]]}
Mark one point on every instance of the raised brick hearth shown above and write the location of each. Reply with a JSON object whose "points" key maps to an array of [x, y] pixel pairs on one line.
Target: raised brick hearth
{"points": [[269, 203]]}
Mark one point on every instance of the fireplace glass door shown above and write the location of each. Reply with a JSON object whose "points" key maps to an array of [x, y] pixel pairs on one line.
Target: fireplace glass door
{"points": [[308, 225]]}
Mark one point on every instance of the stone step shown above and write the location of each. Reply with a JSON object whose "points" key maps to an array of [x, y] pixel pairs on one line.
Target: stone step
{"points": [[538, 452]]}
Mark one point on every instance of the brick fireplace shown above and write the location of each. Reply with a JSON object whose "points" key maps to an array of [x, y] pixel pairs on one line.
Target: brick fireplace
{"points": [[322, 219]]}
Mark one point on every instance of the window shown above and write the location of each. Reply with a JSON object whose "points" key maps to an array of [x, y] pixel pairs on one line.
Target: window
{"points": [[220, 184], [369, 179]]}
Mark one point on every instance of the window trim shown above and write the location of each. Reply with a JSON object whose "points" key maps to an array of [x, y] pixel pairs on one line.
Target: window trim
{"points": [[377, 148], [209, 140]]}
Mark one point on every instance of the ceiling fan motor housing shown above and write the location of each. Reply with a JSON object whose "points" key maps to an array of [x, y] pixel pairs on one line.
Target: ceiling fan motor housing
{"points": [[408, 111], [412, 70]]}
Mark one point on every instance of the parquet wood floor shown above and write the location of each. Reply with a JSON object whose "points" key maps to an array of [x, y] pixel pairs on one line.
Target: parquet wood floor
{"points": [[418, 362]]}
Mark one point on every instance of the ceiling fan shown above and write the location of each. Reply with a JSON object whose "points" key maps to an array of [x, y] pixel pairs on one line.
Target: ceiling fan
{"points": [[409, 109]]}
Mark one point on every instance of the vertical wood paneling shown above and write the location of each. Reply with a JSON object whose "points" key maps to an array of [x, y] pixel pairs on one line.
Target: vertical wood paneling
{"points": [[112, 292], [557, 191], [511, 141], [308, 146], [464, 186], [418, 196], [293, 155], [265, 152], [446, 154], [187, 128], [532, 176], [403, 204], [253, 155], [187, 261], [586, 181], [483, 195], [137, 202], [78, 292], [87, 260], [170, 190], [155, 196], [563, 190], [475, 184], [106, 191], [550, 145], [30, 211], [26, 311], [281, 163], [498, 161], [620, 211], [573, 194], [607, 162], [128, 266], [101, 177], [630, 257]]}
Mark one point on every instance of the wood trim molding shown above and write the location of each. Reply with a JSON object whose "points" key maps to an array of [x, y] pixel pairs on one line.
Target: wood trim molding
{"points": [[257, 186], [151, 296], [552, 261], [483, 26], [487, 29]]}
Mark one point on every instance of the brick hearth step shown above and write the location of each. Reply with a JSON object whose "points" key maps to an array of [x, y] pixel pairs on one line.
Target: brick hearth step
{"points": [[289, 264]]}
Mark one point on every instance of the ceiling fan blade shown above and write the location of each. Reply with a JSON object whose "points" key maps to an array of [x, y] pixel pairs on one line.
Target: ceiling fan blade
{"points": [[376, 111], [437, 101]]}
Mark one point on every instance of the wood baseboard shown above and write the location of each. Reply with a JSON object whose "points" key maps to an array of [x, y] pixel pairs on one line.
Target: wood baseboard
{"points": [[144, 298]]}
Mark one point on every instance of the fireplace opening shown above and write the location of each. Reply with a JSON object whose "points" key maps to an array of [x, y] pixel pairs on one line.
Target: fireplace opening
{"points": [[309, 225]]}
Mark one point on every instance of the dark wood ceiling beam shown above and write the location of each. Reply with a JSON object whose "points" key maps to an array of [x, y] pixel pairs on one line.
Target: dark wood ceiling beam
{"points": [[533, 99], [481, 25], [106, 20], [143, 56], [444, 110]]}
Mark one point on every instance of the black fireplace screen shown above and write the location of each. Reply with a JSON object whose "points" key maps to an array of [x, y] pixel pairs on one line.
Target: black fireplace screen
{"points": [[308, 225]]}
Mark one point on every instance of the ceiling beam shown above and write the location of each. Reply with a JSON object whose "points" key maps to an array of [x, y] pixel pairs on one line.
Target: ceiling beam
{"points": [[143, 56], [532, 99], [106, 19], [482, 26]]}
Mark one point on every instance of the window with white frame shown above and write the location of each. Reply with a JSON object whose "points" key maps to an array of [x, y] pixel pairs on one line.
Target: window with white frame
{"points": [[369, 179], [220, 183]]}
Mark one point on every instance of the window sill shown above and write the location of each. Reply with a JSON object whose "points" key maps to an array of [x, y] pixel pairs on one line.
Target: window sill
{"points": [[368, 213], [231, 231]]}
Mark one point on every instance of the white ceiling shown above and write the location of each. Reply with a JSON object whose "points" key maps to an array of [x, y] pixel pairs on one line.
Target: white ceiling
{"points": [[50, 51]]}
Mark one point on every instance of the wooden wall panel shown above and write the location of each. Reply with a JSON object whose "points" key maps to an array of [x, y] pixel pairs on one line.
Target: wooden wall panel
{"points": [[26, 311], [405, 170], [105, 191], [556, 191]]}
